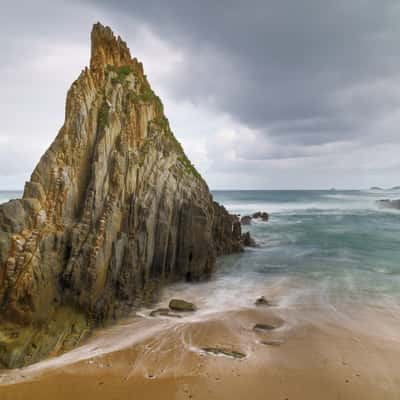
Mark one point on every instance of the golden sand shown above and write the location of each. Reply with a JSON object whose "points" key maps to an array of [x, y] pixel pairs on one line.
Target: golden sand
{"points": [[165, 358]]}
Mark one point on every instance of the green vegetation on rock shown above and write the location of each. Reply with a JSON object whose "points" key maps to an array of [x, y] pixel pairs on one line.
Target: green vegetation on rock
{"points": [[147, 95], [103, 115], [189, 168], [122, 72], [24, 345]]}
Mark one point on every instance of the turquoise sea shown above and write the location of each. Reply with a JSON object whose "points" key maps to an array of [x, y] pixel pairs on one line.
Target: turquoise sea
{"points": [[341, 241]]}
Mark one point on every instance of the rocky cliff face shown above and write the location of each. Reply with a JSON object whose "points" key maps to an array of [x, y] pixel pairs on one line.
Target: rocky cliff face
{"points": [[113, 210]]}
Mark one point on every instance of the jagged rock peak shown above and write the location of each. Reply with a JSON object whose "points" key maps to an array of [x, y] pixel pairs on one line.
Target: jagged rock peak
{"points": [[114, 210], [108, 49]]}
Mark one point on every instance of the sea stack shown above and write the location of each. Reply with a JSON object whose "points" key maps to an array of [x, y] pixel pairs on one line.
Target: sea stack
{"points": [[113, 211]]}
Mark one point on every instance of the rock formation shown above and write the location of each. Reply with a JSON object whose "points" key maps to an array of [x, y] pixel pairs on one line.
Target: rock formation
{"points": [[248, 240], [246, 220], [113, 210], [263, 215], [386, 203]]}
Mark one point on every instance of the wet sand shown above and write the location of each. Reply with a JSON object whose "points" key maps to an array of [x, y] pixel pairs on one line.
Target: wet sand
{"points": [[164, 358]]}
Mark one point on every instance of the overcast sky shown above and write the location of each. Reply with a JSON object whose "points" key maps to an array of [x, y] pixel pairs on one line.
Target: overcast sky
{"points": [[262, 94]]}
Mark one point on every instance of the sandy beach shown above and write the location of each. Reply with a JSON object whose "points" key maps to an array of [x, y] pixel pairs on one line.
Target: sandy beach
{"points": [[221, 356]]}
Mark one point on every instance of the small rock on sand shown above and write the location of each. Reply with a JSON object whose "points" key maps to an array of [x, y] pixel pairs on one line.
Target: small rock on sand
{"points": [[272, 342], [262, 301], [181, 305], [224, 352], [164, 312], [263, 327]]}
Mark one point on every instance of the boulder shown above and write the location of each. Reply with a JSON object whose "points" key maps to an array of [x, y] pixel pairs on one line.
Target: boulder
{"points": [[263, 215], [245, 220], [181, 305], [247, 240], [262, 301]]}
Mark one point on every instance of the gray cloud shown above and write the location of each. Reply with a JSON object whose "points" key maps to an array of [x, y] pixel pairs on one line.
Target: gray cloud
{"points": [[271, 87], [271, 63]]}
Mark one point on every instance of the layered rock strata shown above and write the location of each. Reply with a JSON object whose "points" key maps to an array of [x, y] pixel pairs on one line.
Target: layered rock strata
{"points": [[113, 210]]}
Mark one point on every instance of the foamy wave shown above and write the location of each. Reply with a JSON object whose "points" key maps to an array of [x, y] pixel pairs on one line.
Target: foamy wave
{"points": [[301, 207]]}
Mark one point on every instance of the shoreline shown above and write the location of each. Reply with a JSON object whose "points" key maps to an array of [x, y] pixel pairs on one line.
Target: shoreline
{"points": [[165, 358]]}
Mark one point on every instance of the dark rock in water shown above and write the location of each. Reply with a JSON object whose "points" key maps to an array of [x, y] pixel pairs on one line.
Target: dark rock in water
{"points": [[181, 305], [113, 211], [262, 301], [164, 312], [263, 327], [247, 240], [224, 351], [386, 203], [261, 215], [265, 216], [245, 220]]}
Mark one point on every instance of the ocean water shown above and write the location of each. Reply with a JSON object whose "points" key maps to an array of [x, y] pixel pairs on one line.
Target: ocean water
{"points": [[342, 242]]}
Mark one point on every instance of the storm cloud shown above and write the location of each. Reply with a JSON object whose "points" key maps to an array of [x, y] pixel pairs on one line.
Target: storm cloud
{"points": [[262, 94]]}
